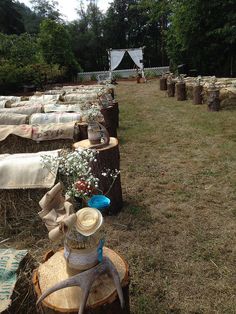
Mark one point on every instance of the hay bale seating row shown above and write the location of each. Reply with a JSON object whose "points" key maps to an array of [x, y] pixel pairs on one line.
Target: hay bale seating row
{"points": [[18, 207], [199, 94], [20, 144]]}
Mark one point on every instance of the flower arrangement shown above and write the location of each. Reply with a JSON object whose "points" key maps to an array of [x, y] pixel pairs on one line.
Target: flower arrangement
{"points": [[75, 171], [93, 113]]}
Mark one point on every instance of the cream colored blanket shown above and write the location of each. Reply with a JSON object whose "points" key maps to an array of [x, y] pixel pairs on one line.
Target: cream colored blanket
{"points": [[43, 99], [52, 131], [11, 98], [23, 130], [23, 109], [63, 108], [12, 118], [25, 171], [79, 97], [39, 132], [54, 117], [22, 104]]}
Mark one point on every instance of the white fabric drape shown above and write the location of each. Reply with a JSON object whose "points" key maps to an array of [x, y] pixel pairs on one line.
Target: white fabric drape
{"points": [[116, 57], [137, 57]]}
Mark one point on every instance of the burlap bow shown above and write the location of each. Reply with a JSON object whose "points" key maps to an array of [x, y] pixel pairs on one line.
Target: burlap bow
{"points": [[57, 212]]}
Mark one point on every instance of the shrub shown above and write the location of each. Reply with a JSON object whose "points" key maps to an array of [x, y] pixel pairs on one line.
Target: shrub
{"points": [[150, 74]]}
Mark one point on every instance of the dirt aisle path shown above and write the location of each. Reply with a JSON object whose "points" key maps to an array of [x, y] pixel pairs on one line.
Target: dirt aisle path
{"points": [[178, 227]]}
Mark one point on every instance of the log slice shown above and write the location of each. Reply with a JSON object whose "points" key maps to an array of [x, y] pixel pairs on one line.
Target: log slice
{"points": [[102, 298]]}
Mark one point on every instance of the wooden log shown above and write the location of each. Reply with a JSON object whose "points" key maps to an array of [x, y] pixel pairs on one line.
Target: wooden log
{"points": [[102, 299], [213, 99], [108, 158], [180, 89], [110, 117], [116, 113], [171, 89], [197, 95], [163, 83]]}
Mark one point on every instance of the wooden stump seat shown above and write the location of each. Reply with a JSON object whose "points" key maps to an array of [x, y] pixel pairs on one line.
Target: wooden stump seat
{"points": [[102, 299], [108, 158]]}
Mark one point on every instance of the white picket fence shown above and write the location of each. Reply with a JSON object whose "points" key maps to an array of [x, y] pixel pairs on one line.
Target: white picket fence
{"points": [[87, 76]]}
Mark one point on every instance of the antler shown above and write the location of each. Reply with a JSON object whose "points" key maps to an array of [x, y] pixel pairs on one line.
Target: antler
{"points": [[85, 281]]}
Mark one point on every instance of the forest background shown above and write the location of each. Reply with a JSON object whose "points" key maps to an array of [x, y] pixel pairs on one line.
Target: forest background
{"points": [[38, 46]]}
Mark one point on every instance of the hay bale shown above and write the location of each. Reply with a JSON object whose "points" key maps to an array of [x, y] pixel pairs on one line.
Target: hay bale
{"points": [[189, 91], [228, 104], [19, 209], [14, 144]]}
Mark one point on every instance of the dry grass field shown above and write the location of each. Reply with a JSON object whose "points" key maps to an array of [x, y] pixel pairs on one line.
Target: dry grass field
{"points": [[177, 229]]}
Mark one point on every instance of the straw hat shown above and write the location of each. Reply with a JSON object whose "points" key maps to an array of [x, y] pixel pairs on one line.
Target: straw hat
{"points": [[89, 220]]}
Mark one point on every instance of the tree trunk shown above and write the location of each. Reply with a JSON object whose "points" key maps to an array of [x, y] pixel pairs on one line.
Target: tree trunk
{"points": [[213, 100], [163, 83], [171, 89], [197, 95], [180, 91], [107, 158], [102, 299]]}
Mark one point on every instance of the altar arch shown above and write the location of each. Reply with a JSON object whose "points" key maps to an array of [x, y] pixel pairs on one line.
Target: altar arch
{"points": [[115, 57]]}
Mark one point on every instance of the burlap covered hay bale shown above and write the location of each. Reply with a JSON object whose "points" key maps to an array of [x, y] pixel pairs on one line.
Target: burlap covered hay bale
{"points": [[19, 208], [228, 104], [227, 93], [14, 144], [189, 91]]}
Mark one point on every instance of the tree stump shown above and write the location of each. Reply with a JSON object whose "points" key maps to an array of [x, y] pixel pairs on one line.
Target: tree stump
{"points": [[108, 158], [197, 95], [81, 131], [102, 299], [213, 99], [180, 91], [171, 89], [116, 113], [110, 117], [163, 83]]}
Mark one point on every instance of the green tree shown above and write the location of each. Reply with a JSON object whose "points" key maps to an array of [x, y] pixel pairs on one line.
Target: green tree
{"points": [[56, 46], [11, 21], [88, 40], [203, 35], [30, 19], [18, 49], [46, 9]]}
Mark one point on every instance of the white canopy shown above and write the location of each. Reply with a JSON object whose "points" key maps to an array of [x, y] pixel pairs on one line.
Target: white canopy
{"points": [[116, 56]]}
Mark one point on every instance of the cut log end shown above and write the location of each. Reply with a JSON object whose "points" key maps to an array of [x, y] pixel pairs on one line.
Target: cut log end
{"points": [[103, 293]]}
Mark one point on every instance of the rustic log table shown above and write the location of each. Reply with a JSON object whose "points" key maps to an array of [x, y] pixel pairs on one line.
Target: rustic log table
{"points": [[108, 158], [102, 299]]}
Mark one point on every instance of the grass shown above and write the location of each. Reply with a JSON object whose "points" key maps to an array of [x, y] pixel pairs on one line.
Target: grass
{"points": [[177, 228]]}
